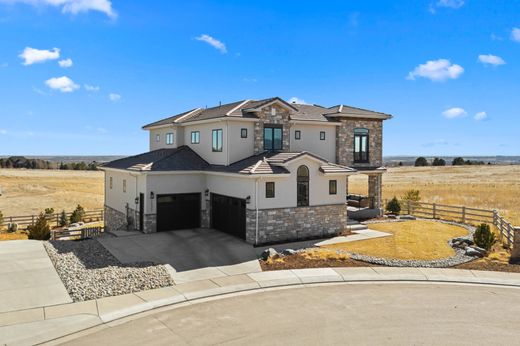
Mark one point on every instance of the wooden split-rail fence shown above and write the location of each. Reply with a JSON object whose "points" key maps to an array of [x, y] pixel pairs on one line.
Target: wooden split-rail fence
{"points": [[54, 219]]}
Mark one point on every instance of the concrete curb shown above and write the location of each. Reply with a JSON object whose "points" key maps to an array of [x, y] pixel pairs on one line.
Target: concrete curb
{"points": [[104, 310]]}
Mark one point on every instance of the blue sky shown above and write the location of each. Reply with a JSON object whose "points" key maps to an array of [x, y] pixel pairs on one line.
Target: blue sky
{"points": [[434, 65]]}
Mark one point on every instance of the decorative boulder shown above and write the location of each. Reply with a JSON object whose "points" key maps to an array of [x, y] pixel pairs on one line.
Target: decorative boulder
{"points": [[479, 249], [408, 217], [464, 240], [288, 252], [472, 252], [268, 253], [392, 216]]}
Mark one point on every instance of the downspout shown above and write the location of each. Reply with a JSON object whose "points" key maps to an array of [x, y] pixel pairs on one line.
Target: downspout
{"points": [[256, 213], [135, 205]]}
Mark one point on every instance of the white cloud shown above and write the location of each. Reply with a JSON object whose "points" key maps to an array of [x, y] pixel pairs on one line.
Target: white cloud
{"points": [[219, 45], [63, 84], [455, 112], [491, 60], [480, 116], [250, 80], [450, 3], [3, 132], [437, 70], [71, 6], [4, 65], [65, 63], [114, 97], [32, 55], [89, 87], [296, 100], [515, 34]]}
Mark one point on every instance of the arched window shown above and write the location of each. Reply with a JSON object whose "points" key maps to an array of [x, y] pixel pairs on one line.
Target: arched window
{"points": [[361, 145], [302, 180]]}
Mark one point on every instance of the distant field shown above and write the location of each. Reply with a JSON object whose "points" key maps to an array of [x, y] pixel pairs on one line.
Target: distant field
{"points": [[474, 186], [27, 192]]}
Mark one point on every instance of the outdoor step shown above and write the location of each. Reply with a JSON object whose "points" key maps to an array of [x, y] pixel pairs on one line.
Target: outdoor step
{"points": [[357, 227], [352, 222]]}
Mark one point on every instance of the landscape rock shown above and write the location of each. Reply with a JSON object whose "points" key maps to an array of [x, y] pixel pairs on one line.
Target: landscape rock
{"points": [[472, 252], [269, 253], [408, 217], [479, 249], [464, 240], [288, 252], [392, 216]]}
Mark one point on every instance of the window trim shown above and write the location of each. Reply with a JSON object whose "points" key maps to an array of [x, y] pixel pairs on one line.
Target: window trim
{"points": [[168, 136], [358, 156], [322, 135], [215, 147], [333, 187], [273, 127], [297, 135], [243, 133], [197, 137], [272, 189]]}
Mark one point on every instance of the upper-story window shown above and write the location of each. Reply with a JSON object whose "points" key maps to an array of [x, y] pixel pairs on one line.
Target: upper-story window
{"points": [[361, 145], [216, 140], [297, 134], [322, 135], [158, 137], [195, 137], [243, 133], [269, 189], [273, 136], [169, 138]]}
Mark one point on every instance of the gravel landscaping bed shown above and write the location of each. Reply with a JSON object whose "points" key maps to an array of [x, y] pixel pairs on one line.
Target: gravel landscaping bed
{"points": [[89, 271]]}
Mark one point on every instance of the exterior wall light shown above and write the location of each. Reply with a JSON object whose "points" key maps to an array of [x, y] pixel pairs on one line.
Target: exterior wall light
{"points": [[248, 200], [152, 195], [206, 192], [136, 201]]}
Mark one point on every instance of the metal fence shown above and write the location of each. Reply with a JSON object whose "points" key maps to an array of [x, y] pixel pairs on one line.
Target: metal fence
{"points": [[462, 214], [54, 219]]}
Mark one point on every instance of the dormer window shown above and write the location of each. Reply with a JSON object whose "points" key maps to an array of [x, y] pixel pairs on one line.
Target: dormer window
{"points": [[273, 137], [169, 138]]}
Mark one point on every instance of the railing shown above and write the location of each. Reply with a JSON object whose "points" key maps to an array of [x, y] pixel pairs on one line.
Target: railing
{"points": [[53, 219], [461, 214], [75, 234]]}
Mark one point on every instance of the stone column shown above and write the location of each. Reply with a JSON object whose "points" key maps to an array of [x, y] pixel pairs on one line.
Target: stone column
{"points": [[375, 189], [515, 251]]}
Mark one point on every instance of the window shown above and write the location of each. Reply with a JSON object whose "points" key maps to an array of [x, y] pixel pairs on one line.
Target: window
{"points": [[361, 145], [273, 111], [169, 138], [216, 140], [124, 185], [333, 187], [195, 137], [269, 189], [302, 189], [158, 137], [273, 137], [111, 182], [297, 134], [243, 133], [322, 135]]}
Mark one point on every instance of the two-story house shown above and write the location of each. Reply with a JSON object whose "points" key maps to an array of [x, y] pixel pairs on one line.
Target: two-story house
{"points": [[265, 171]]}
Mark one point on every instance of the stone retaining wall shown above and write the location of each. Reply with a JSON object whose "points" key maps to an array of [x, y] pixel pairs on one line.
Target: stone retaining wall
{"points": [[291, 224], [115, 220]]}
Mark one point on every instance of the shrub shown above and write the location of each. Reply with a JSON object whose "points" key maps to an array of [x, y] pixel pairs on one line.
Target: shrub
{"points": [[40, 230], [63, 219], [483, 237], [49, 211], [77, 214], [438, 162], [393, 206], [412, 196], [458, 161], [421, 162]]}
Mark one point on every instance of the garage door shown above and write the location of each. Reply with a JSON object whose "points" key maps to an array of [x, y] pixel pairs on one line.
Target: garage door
{"points": [[178, 211], [228, 214]]}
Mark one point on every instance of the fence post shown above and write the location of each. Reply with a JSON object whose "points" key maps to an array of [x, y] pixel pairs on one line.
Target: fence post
{"points": [[434, 211], [509, 235], [464, 214], [408, 204]]}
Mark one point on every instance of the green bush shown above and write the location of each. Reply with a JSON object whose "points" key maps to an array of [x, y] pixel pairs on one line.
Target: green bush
{"points": [[483, 237], [412, 196], [63, 219], [421, 162], [458, 161], [40, 230], [393, 206], [438, 162], [77, 214]]}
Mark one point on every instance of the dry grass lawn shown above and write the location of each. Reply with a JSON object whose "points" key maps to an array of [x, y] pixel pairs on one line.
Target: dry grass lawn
{"points": [[422, 240], [27, 192], [13, 236], [489, 187]]}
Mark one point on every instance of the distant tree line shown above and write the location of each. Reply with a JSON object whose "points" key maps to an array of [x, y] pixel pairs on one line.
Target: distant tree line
{"points": [[458, 161], [23, 162]]}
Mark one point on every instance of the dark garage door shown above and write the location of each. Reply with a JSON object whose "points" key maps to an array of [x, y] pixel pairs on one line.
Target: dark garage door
{"points": [[178, 211], [228, 214]]}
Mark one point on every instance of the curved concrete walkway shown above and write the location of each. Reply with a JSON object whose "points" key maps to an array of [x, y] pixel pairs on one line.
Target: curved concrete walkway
{"points": [[38, 325]]}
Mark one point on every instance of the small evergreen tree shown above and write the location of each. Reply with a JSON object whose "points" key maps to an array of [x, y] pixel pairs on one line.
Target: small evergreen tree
{"points": [[438, 162], [77, 214], [400, 163], [393, 206], [421, 162], [483, 237], [412, 196], [63, 219], [40, 230]]}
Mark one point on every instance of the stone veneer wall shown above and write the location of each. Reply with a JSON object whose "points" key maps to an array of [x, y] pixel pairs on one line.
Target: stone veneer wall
{"points": [[345, 142], [150, 223], [205, 215], [115, 220], [291, 224], [265, 117]]}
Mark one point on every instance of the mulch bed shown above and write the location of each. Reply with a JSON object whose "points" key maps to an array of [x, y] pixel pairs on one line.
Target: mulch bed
{"points": [[490, 266], [300, 262]]}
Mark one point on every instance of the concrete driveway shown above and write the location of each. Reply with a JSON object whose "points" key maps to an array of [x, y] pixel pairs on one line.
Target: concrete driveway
{"points": [[27, 277], [187, 250], [355, 314]]}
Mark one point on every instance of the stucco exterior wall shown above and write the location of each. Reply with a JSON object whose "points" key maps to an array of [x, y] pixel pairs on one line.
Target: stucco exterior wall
{"points": [[240, 148], [345, 140], [310, 140], [116, 198], [164, 184], [154, 145], [204, 148], [232, 186]]}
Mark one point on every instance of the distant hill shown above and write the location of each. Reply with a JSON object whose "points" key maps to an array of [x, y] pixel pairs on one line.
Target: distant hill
{"points": [[73, 158], [494, 160]]}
